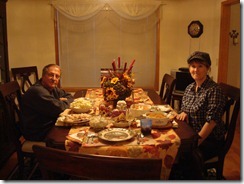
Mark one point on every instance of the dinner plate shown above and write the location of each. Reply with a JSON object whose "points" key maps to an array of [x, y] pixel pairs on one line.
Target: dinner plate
{"points": [[116, 134]]}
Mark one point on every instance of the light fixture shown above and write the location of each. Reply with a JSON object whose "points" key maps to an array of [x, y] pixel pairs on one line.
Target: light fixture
{"points": [[234, 36]]}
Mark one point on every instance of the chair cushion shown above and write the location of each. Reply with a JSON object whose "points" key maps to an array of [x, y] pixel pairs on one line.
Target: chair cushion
{"points": [[27, 145]]}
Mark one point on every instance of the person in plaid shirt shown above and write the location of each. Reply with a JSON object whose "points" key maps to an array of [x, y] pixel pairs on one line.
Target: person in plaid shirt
{"points": [[203, 105]]}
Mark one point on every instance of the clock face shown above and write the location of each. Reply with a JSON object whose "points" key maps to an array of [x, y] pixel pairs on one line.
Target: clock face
{"points": [[195, 29]]}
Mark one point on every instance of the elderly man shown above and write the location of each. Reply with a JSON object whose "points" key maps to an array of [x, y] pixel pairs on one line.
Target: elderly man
{"points": [[42, 104]]}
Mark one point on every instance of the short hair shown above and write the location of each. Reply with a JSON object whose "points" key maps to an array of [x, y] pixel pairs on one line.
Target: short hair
{"points": [[45, 69]]}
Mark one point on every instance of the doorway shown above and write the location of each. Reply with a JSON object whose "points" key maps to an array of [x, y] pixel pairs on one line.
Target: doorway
{"points": [[229, 54]]}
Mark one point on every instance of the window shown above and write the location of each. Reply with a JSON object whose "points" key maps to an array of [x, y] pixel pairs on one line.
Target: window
{"points": [[90, 41]]}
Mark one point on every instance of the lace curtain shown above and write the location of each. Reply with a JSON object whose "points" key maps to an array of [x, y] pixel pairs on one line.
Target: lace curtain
{"points": [[94, 32]]}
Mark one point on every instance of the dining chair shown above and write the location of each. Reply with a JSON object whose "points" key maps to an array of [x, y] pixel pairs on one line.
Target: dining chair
{"points": [[167, 87], [80, 93], [95, 167], [232, 110], [26, 76], [10, 99]]}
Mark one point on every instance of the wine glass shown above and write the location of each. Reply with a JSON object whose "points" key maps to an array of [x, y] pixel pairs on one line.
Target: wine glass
{"points": [[129, 116]]}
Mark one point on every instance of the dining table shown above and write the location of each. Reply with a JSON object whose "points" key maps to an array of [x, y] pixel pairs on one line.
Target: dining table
{"points": [[171, 144]]}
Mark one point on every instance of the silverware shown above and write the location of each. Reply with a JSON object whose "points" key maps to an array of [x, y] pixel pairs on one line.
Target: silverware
{"points": [[91, 136], [139, 137], [142, 135]]}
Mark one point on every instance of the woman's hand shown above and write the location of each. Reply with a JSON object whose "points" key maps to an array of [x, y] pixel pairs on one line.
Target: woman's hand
{"points": [[182, 116]]}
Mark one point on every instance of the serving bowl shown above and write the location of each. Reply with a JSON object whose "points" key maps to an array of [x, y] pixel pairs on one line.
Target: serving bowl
{"points": [[98, 123], [81, 105], [121, 124], [158, 118], [139, 109]]}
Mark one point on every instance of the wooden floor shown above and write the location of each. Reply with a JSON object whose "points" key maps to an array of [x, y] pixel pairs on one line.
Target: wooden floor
{"points": [[233, 163], [231, 168]]}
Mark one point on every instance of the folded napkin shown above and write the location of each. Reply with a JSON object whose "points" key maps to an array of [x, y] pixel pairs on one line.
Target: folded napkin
{"points": [[175, 124], [77, 137]]}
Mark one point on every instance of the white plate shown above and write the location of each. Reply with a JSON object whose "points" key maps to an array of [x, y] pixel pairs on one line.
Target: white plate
{"points": [[75, 119], [164, 108], [116, 134]]}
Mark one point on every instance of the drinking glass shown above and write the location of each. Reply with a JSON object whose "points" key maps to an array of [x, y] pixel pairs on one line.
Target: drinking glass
{"points": [[129, 116], [146, 126]]}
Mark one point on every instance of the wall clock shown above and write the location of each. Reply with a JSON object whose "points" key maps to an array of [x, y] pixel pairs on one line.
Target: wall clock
{"points": [[195, 29]]}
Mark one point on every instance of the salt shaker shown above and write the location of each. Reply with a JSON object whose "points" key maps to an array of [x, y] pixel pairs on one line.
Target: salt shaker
{"points": [[121, 105]]}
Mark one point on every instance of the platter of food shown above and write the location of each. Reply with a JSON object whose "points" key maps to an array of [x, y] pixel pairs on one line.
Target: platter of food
{"points": [[66, 119], [76, 118], [81, 105], [116, 134]]}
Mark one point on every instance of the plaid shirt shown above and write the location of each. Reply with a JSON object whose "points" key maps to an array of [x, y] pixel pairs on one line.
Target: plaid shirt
{"points": [[205, 105]]}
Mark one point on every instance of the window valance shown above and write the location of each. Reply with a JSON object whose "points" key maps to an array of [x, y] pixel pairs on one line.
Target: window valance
{"points": [[85, 9]]}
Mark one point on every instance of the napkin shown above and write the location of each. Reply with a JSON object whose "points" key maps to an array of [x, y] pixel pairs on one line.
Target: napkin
{"points": [[77, 137], [175, 124]]}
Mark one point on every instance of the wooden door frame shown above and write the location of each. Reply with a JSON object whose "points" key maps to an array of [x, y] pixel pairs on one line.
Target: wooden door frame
{"points": [[224, 39]]}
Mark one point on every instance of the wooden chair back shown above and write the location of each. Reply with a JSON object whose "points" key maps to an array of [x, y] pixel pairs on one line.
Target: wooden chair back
{"points": [[26, 76], [167, 87], [80, 93], [10, 98], [232, 110], [95, 167]]}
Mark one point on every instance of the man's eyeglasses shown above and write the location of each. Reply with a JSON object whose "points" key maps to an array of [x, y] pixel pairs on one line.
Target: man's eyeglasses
{"points": [[52, 75]]}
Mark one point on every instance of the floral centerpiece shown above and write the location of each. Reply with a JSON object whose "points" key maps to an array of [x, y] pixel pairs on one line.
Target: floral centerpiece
{"points": [[118, 85]]}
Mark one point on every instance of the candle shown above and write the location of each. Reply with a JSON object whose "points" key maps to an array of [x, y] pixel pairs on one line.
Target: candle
{"points": [[118, 62], [114, 66], [131, 65], [125, 66]]}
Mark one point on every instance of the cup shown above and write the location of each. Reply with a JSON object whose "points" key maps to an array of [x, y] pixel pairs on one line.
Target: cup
{"points": [[146, 126]]}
